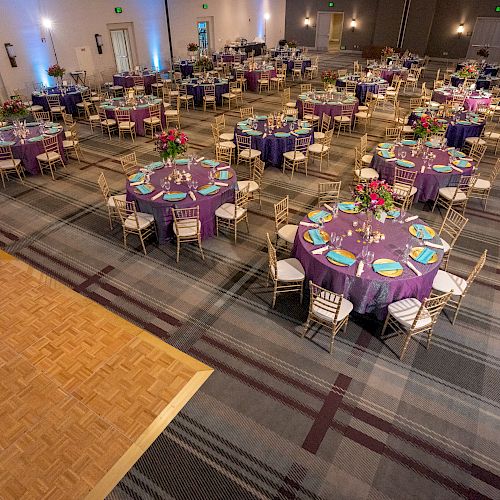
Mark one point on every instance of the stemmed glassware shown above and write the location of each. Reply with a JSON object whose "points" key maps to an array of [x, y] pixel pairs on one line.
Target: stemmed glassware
{"points": [[402, 215], [195, 184], [165, 185]]}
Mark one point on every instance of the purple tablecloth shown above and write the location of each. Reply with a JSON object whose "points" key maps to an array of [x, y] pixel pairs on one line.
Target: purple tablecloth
{"points": [[456, 133], [371, 293], [481, 83], [69, 100], [198, 91], [427, 183], [362, 88], [290, 63], [328, 109], [127, 81], [229, 57], [407, 63], [187, 69], [273, 147], [28, 151], [486, 70], [137, 116], [472, 103], [388, 74], [253, 76], [161, 209]]}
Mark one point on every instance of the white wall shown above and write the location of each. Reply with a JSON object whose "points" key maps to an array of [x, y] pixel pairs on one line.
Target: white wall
{"points": [[75, 22], [232, 19]]}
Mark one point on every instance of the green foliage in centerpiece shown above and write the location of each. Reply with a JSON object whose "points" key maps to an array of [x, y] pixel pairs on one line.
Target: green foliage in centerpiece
{"points": [[171, 144], [374, 196]]}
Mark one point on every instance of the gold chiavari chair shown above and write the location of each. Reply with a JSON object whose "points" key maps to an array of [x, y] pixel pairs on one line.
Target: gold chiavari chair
{"points": [[209, 97], [71, 144], [445, 282], [139, 86], [246, 112], [361, 173], [153, 121], [392, 134], [293, 112], [449, 232], [173, 113], [125, 124], [158, 85], [91, 114], [326, 121], [410, 317], [286, 99], [51, 156], [55, 107], [456, 196], [9, 165], [344, 120], [107, 124], [299, 157], [350, 87], [329, 192], [187, 227], [403, 187], [245, 153], [305, 87], [254, 185], [229, 215], [129, 163], [477, 151], [482, 187], [223, 152], [41, 116], [185, 98], [287, 275], [264, 81], [110, 199], [329, 309], [321, 149], [309, 113], [365, 116], [284, 230], [297, 70], [233, 95]]}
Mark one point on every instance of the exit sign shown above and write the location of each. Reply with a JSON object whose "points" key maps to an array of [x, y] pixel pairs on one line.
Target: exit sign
{"points": [[205, 5], [118, 10], [331, 4]]}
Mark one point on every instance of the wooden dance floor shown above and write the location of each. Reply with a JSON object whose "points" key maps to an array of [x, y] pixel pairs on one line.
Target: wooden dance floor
{"points": [[83, 392]]}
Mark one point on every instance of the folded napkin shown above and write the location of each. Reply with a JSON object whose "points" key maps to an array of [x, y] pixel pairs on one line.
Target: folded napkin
{"points": [[387, 266], [211, 163], [391, 159], [303, 131], [36, 139], [253, 132], [430, 145], [360, 269], [282, 134], [174, 196], [412, 217], [341, 259], [425, 232], [143, 189], [347, 206], [192, 195], [223, 184], [136, 177], [7, 127], [433, 245], [456, 169], [385, 145], [155, 165], [456, 153], [208, 190], [320, 251], [316, 237], [464, 122], [328, 207], [413, 268], [308, 224], [461, 163], [319, 215], [223, 175], [393, 213], [200, 159], [181, 161], [261, 117], [425, 255], [442, 168], [32, 124], [405, 163], [408, 142], [226, 167], [157, 195], [385, 153], [7, 143], [136, 183], [244, 123], [465, 158]]}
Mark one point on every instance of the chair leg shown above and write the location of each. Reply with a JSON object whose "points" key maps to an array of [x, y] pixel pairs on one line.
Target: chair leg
{"points": [[405, 346], [385, 324]]}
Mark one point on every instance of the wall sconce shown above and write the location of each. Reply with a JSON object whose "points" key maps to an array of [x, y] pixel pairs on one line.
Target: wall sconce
{"points": [[98, 42], [11, 53], [460, 29], [353, 24], [307, 22]]}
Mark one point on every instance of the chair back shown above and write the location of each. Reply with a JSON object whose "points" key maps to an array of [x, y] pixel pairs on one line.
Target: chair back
{"points": [[6, 155], [452, 225], [291, 111], [404, 176], [102, 113], [223, 153], [494, 172], [430, 309], [103, 184], [264, 75], [67, 119], [326, 121], [220, 120], [138, 81], [308, 108], [127, 211], [297, 65], [258, 171], [326, 300], [347, 110], [350, 87], [476, 270], [187, 218], [301, 145], [477, 151], [329, 192], [382, 88], [53, 100], [50, 144], [155, 111], [41, 116], [281, 213], [129, 163], [209, 90], [246, 112], [243, 142], [305, 87], [273, 260], [392, 133], [122, 115]]}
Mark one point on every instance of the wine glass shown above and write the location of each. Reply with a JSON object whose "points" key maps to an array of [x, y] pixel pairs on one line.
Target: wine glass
{"points": [[210, 176], [333, 237], [195, 184], [402, 215], [403, 154], [321, 223], [370, 256], [338, 241]]}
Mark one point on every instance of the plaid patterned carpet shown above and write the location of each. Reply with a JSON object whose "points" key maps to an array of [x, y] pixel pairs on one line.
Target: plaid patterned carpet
{"points": [[280, 418]]}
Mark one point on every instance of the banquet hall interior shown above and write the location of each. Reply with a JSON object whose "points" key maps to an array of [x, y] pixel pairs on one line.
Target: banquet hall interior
{"points": [[249, 249]]}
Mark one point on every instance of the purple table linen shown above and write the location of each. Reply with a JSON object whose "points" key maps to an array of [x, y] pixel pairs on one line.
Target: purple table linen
{"points": [[197, 91], [161, 209], [371, 293], [28, 151], [388, 74], [187, 69], [427, 183], [290, 62], [68, 100], [472, 103], [137, 116], [328, 109], [362, 89], [253, 76], [127, 81]]}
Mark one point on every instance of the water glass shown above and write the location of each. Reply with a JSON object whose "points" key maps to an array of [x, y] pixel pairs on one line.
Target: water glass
{"points": [[402, 215], [195, 184], [370, 256]]}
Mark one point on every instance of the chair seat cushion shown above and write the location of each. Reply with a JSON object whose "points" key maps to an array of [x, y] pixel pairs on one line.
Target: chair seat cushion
{"points": [[187, 227], [70, 144], [126, 125], [317, 147], [319, 135], [35, 107], [210, 98], [250, 153], [186, 96], [294, 155], [94, 118], [311, 117], [494, 136], [227, 136], [67, 134], [228, 144], [482, 184], [108, 122], [405, 311], [52, 155], [116, 87], [475, 140], [8, 164], [342, 119], [152, 120], [446, 282], [361, 114], [111, 199], [449, 192], [171, 112], [407, 129], [144, 220], [288, 232], [290, 270], [226, 211], [251, 185], [367, 173], [291, 104], [263, 82], [321, 308], [228, 95], [362, 108], [57, 109], [367, 159]]}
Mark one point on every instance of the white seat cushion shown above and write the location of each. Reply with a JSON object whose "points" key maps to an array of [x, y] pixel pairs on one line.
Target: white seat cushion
{"points": [[294, 155], [318, 148], [187, 227], [446, 282], [228, 95], [116, 87], [405, 311], [228, 144], [226, 211], [290, 270], [291, 104], [171, 112], [367, 173], [407, 129], [449, 193], [343, 119], [361, 114], [67, 134], [70, 144], [494, 136], [482, 184], [94, 118], [35, 107], [321, 305], [126, 125], [319, 135], [226, 136], [8, 164], [111, 199], [250, 153], [311, 117], [57, 109], [108, 122], [446, 246], [403, 187], [152, 120], [363, 108], [52, 155], [209, 98], [251, 185], [144, 220], [475, 140], [367, 159], [186, 96], [288, 232]]}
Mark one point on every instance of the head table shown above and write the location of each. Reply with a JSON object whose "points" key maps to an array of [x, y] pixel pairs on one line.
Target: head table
{"points": [[362, 86], [27, 150], [428, 181], [68, 97], [274, 143], [329, 103], [162, 209], [370, 293], [473, 100]]}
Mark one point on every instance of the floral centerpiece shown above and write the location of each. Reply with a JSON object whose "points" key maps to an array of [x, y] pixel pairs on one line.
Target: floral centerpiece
{"points": [[329, 77], [13, 110], [205, 63], [171, 144], [387, 51], [192, 47], [468, 71], [374, 197], [427, 125], [292, 44], [56, 71]]}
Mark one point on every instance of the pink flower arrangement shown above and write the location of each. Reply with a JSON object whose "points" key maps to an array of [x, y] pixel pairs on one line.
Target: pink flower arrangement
{"points": [[374, 196], [13, 109], [56, 71], [387, 51], [468, 71], [426, 125], [192, 47], [172, 143]]}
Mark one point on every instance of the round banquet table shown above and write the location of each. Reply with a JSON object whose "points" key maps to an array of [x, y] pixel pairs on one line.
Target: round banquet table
{"points": [[371, 293], [253, 76], [28, 151], [229, 57], [388, 73], [161, 209], [197, 90], [332, 108], [459, 127], [428, 182], [272, 147], [127, 80], [285, 53], [290, 63], [362, 88], [472, 102], [483, 82], [187, 68], [486, 70], [137, 113], [69, 99]]}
